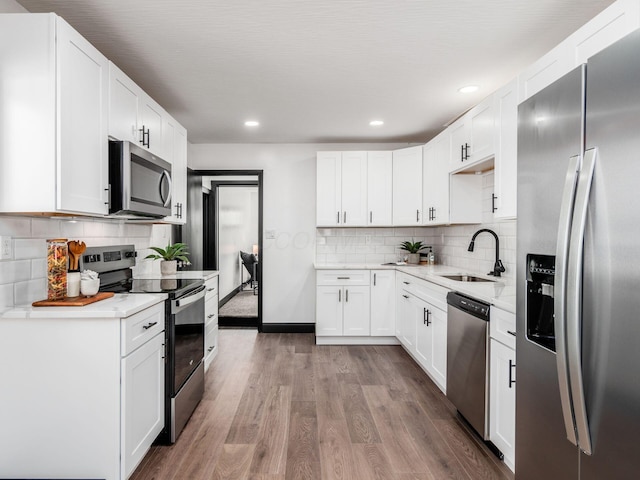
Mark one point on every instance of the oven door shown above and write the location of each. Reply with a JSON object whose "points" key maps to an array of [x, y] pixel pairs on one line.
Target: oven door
{"points": [[187, 316]]}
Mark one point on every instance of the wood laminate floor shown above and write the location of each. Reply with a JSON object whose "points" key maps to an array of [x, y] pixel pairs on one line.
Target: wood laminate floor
{"points": [[277, 407]]}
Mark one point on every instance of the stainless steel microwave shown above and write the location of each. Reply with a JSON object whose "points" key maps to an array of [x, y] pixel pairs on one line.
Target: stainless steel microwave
{"points": [[139, 182]]}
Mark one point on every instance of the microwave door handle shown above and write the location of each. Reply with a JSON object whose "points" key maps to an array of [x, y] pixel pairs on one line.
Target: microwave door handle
{"points": [[166, 175]]}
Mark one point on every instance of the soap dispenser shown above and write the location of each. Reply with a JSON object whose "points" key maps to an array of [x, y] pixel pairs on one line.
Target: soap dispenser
{"points": [[432, 256]]}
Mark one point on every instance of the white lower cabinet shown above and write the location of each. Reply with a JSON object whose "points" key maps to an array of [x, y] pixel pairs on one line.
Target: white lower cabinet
{"points": [[383, 305], [423, 325], [210, 321], [342, 311], [142, 418], [502, 410], [87, 401], [353, 307]]}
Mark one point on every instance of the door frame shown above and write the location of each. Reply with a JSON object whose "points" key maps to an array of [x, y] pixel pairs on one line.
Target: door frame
{"points": [[243, 173]]}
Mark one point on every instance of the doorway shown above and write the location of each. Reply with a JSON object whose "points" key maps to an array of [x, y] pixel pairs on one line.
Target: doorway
{"points": [[230, 239]]}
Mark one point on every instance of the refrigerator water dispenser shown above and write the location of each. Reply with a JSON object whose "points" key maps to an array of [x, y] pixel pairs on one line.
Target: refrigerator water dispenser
{"points": [[540, 319]]}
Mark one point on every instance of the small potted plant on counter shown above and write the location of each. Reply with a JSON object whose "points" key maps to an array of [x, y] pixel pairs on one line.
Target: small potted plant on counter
{"points": [[170, 257], [414, 251]]}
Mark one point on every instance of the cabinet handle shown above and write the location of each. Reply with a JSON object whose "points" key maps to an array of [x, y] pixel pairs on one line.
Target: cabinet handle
{"points": [[374, 279], [344, 218], [511, 367], [466, 151], [405, 296], [210, 348], [417, 215], [462, 153], [339, 295], [108, 190], [346, 295], [406, 283], [344, 278], [338, 221], [144, 133], [148, 326], [433, 217], [370, 217], [427, 322], [211, 289], [511, 333], [493, 203], [211, 315]]}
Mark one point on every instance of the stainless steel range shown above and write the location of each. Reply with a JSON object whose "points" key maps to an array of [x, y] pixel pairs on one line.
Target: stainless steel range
{"points": [[184, 328]]}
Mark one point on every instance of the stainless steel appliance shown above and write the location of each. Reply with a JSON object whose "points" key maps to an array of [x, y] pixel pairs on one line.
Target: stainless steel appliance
{"points": [[467, 346], [184, 328], [578, 400], [139, 182]]}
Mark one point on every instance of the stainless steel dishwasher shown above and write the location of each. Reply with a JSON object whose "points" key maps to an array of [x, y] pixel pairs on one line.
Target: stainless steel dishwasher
{"points": [[467, 347]]}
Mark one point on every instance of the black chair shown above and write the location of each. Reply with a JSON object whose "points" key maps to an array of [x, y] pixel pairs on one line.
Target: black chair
{"points": [[250, 262]]}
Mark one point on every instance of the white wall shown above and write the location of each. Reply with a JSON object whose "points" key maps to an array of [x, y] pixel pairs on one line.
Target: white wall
{"points": [[289, 209], [237, 231], [9, 6]]}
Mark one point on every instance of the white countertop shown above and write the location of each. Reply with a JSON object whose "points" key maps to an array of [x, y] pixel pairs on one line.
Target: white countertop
{"points": [[500, 292], [187, 274], [119, 306]]}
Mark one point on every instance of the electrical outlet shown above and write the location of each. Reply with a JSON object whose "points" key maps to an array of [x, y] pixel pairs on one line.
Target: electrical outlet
{"points": [[5, 248]]}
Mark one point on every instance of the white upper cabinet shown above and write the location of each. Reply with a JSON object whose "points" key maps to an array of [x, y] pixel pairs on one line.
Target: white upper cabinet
{"points": [[613, 23], [379, 188], [506, 159], [136, 117], [341, 184], [124, 104], [472, 136], [435, 181], [354, 188], [407, 186], [175, 148], [54, 91]]}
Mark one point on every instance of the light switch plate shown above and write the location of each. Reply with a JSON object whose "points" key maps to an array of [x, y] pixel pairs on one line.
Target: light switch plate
{"points": [[6, 250]]}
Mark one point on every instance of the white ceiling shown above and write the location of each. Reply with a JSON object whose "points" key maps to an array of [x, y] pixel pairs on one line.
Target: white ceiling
{"points": [[320, 70]]}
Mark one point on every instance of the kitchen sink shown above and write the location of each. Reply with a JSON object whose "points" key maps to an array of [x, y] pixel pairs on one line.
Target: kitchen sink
{"points": [[466, 278]]}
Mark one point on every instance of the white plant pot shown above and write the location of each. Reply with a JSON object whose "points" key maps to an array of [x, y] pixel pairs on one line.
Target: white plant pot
{"points": [[168, 267], [413, 258]]}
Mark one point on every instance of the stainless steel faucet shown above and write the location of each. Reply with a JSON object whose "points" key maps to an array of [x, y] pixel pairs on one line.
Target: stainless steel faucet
{"points": [[498, 268]]}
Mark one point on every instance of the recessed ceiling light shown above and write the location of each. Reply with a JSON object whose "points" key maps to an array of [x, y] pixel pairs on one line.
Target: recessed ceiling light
{"points": [[251, 123], [468, 89], [376, 123]]}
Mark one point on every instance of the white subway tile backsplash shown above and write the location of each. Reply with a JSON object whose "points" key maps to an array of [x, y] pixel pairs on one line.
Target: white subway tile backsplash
{"points": [[45, 228], [6, 296], [11, 272], [29, 248], [31, 291], [23, 280], [15, 226]]}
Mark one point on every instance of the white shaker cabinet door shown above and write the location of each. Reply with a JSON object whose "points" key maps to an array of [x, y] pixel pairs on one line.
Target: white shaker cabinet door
{"points": [[407, 186], [83, 78], [502, 401], [142, 396], [354, 188], [383, 303], [124, 103], [328, 189], [435, 183], [356, 311], [329, 310], [379, 188]]}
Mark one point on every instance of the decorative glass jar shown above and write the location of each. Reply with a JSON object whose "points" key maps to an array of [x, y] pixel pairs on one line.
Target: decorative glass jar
{"points": [[57, 258]]}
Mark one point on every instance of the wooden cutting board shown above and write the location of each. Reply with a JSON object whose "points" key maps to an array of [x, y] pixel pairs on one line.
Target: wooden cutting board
{"points": [[79, 301]]}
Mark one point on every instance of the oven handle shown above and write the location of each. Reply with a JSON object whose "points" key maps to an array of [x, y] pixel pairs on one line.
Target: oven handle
{"points": [[191, 298]]}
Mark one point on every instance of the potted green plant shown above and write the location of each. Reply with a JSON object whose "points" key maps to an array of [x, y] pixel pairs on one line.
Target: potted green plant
{"points": [[414, 250], [170, 257]]}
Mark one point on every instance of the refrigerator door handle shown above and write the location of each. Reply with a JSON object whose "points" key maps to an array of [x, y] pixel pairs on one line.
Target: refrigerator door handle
{"points": [[574, 299], [560, 288]]}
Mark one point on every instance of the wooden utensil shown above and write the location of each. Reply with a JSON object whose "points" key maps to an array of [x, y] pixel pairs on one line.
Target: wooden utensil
{"points": [[76, 249]]}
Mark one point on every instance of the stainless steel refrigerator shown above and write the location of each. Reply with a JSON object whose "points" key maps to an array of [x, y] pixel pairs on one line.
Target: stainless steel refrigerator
{"points": [[578, 276]]}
